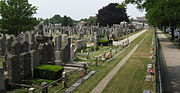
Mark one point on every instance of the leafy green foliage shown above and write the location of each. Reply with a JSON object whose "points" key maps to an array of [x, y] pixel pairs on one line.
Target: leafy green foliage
{"points": [[17, 16], [91, 20], [105, 42], [160, 13], [110, 15], [51, 72]]}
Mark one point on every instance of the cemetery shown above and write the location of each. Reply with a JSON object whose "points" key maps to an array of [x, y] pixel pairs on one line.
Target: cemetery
{"points": [[29, 57], [100, 54]]}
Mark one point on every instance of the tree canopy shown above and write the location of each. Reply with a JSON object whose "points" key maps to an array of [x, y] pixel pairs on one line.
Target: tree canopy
{"points": [[17, 16], [110, 15], [57, 19], [160, 13], [91, 20]]}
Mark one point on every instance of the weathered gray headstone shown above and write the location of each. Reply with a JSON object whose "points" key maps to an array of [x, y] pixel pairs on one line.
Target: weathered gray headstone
{"points": [[25, 65], [2, 45], [58, 41], [8, 43], [2, 84], [16, 48], [14, 71]]}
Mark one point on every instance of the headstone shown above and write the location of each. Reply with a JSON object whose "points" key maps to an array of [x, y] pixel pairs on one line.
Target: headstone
{"points": [[43, 54], [58, 56], [14, 71], [16, 48], [25, 65], [8, 43], [58, 41], [2, 84], [25, 46], [2, 45], [44, 87], [31, 90], [34, 58]]}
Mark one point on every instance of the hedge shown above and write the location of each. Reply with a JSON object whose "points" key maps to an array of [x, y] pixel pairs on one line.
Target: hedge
{"points": [[105, 42], [50, 72]]}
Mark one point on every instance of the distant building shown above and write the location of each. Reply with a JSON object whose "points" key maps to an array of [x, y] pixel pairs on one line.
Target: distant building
{"points": [[141, 19]]}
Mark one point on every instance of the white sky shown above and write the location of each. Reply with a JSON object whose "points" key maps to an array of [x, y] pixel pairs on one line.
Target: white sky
{"points": [[77, 9]]}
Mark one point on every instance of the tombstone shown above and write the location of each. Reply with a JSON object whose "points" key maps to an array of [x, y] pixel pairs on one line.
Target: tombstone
{"points": [[43, 54], [58, 41], [33, 46], [34, 58], [14, 71], [2, 83], [73, 51], [44, 87], [66, 57], [50, 51], [16, 48], [8, 44], [25, 65], [2, 45], [31, 90], [58, 58], [25, 46]]}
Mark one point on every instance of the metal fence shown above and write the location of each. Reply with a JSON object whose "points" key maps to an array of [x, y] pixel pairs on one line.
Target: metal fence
{"points": [[160, 68]]}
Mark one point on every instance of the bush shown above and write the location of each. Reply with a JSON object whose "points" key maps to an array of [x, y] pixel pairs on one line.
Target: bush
{"points": [[51, 72], [105, 42]]}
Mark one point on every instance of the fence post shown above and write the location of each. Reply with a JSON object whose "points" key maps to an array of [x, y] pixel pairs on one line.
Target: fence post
{"points": [[31, 90], [44, 87], [65, 79]]}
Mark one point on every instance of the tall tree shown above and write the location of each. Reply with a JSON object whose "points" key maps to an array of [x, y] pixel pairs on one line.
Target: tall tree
{"points": [[17, 16], [160, 13], [110, 15]]}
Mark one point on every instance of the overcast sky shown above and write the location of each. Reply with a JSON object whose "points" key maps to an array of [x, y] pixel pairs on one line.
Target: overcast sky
{"points": [[77, 9]]}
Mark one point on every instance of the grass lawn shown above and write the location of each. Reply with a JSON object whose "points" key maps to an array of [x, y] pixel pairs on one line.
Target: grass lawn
{"points": [[130, 78], [105, 68]]}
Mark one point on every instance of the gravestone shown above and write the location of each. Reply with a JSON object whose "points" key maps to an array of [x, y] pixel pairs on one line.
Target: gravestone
{"points": [[14, 71], [16, 48], [8, 43], [25, 65], [66, 52], [2, 84], [50, 51], [2, 45], [34, 58], [25, 46], [58, 41], [58, 58], [43, 54]]}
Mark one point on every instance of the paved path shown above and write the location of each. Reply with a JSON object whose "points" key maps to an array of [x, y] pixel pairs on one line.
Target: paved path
{"points": [[102, 84], [131, 38], [172, 60]]}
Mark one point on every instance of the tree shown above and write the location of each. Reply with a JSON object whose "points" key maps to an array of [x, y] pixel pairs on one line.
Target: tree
{"points": [[17, 16], [67, 21], [91, 20], [110, 15], [56, 19], [160, 13]]}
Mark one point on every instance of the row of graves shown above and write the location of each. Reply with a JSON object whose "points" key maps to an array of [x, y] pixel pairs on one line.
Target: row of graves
{"points": [[48, 45]]}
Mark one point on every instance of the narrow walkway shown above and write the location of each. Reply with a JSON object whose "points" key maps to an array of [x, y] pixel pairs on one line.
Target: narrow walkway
{"points": [[172, 60], [102, 84]]}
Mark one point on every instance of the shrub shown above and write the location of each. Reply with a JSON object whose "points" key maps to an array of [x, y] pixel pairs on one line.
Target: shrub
{"points": [[105, 42], [51, 72]]}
